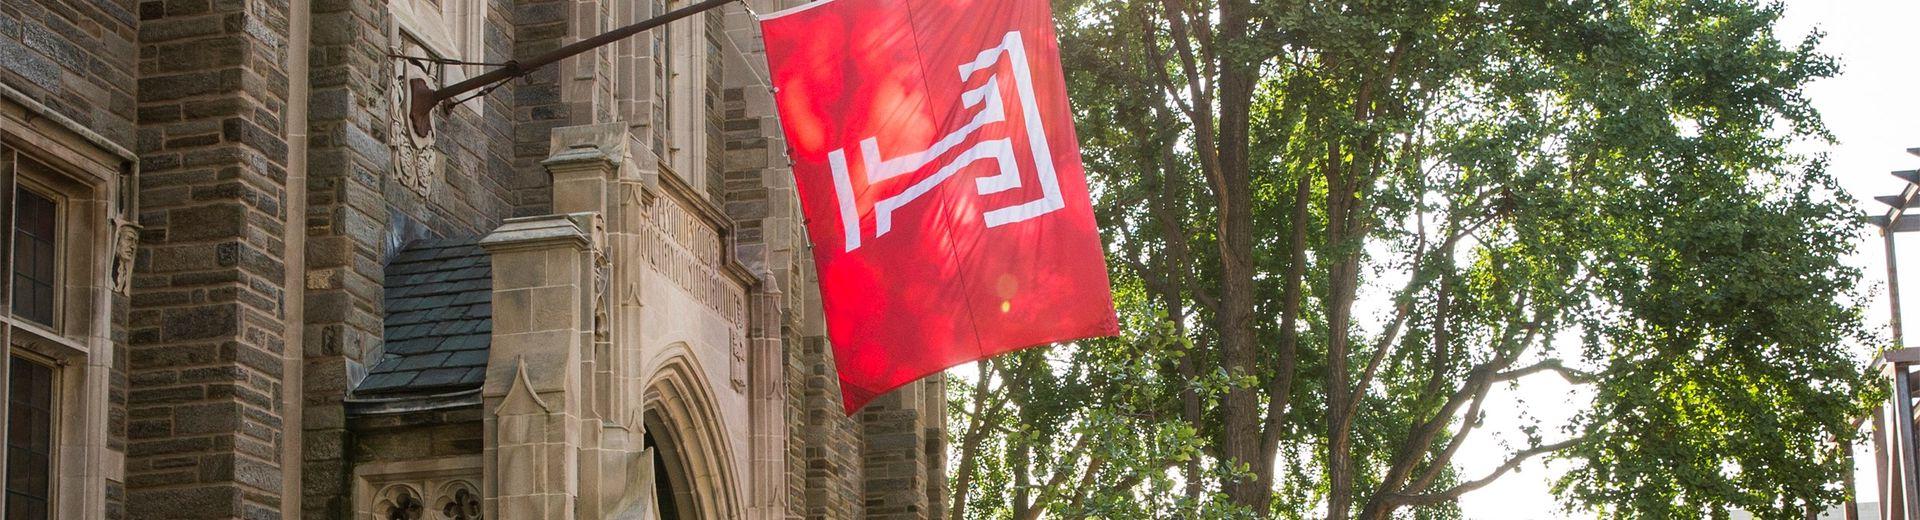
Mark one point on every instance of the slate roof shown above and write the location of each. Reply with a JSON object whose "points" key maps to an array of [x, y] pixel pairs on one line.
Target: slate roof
{"points": [[439, 304]]}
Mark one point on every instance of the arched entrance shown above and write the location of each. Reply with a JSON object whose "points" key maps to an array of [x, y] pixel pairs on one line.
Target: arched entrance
{"points": [[693, 477], [673, 491]]}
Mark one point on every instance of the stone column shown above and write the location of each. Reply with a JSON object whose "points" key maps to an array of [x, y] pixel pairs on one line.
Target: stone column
{"points": [[896, 459], [933, 419], [588, 167], [533, 396], [345, 251], [207, 330]]}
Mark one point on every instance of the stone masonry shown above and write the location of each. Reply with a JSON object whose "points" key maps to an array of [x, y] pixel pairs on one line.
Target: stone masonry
{"points": [[207, 329], [677, 360], [77, 60]]}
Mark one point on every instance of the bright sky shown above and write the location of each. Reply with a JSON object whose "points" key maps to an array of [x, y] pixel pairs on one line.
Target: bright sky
{"points": [[1872, 107]]}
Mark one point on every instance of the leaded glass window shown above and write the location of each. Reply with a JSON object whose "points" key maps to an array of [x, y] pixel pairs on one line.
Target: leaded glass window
{"points": [[34, 256], [29, 439]]}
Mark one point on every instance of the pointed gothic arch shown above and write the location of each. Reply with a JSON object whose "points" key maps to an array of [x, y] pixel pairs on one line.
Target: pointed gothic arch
{"points": [[694, 460]]}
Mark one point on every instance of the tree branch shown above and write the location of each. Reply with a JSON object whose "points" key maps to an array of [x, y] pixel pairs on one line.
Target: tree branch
{"points": [[1514, 462], [1575, 376], [1061, 469], [1201, 111], [1442, 460], [1404, 304]]}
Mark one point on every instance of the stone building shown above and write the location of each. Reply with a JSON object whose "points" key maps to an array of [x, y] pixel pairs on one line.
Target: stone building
{"points": [[239, 287]]}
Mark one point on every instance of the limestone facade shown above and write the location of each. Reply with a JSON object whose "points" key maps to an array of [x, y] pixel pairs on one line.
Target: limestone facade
{"points": [[586, 295]]}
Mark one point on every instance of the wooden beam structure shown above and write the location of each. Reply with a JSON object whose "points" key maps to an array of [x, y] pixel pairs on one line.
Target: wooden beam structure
{"points": [[1895, 461]]}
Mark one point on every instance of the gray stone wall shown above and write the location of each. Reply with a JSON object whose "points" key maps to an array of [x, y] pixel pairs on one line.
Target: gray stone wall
{"points": [[205, 363], [904, 451], [358, 214], [77, 57], [539, 26], [347, 159], [834, 465]]}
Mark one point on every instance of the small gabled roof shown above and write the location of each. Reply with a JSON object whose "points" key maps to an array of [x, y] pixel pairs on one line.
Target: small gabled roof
{"points": [[439, 320]]}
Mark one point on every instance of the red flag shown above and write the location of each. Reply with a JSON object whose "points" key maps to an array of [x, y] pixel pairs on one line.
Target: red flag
{"points": [[937, 166]]}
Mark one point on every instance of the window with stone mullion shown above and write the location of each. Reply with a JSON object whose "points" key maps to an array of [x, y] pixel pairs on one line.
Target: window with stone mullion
{"points": [[34, 255], [6, 222], [29, 430]]}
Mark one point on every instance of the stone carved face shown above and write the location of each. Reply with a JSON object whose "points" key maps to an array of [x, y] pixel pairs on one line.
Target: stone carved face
{"points": [[126, 243]]}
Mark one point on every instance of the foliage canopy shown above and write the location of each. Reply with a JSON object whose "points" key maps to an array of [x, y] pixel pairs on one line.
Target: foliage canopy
{"points": [[1599, 191]]}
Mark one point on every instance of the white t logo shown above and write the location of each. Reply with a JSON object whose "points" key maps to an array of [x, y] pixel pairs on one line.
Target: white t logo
{"points": [[1000, 151]]}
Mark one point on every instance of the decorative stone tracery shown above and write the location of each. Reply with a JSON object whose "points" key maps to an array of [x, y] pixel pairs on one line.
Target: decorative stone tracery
{"points": [[422, 490], [459, 501], [398, 502], [416, 159]]}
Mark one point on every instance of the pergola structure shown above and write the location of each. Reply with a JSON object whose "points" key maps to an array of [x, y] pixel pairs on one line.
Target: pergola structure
{"points": [[1895, 460]]}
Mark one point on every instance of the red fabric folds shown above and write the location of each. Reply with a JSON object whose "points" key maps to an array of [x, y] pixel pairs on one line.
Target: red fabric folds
{"points": [[934, 153]]}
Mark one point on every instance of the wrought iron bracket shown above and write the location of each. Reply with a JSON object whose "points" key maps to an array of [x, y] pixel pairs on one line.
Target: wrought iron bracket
{"points": [[425, 98]]}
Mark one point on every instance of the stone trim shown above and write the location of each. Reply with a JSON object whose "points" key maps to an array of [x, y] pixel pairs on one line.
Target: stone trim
{"points": [[367, 407], [68, 124], [535, 233], [88, 361], [700, 206]]}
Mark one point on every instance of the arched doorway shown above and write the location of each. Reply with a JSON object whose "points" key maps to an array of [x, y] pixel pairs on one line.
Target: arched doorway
{"points": [[673, 492], [693, 475]]}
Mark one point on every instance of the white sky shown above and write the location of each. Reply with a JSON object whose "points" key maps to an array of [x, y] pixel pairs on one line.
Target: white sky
{"points": [[1872, 108]]}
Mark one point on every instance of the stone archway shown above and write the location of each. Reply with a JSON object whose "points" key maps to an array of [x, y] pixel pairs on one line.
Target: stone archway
{"points": [[693, 469], [672, 479]]}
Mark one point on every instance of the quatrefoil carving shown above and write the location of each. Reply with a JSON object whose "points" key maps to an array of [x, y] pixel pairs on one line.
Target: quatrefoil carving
{"points": [[401, 503], [462, 504]]}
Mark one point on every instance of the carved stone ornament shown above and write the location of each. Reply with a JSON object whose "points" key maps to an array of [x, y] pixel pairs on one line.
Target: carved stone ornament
{"points": [[126, 243], [460, 502], [416, 162], [738, 370], [602, 328], [602, 273], [399, 502]]}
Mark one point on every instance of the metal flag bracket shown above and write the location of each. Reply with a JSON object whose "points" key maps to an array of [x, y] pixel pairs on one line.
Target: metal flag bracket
{"points": [[424, 98]]}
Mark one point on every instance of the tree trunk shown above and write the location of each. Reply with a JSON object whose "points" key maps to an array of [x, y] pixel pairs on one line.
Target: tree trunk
{"points": [[970, 446], [1342, 280], [1280, 389], [1241, 405]]}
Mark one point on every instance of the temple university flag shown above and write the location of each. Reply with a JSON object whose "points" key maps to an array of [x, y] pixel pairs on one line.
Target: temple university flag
{"points": [[937, 167]]}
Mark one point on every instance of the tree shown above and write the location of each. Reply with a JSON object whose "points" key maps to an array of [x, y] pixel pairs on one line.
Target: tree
{"points": [[1596, 191]]}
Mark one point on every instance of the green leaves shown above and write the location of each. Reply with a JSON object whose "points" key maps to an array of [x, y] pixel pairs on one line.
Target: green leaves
{"points": [[1496, 191]]}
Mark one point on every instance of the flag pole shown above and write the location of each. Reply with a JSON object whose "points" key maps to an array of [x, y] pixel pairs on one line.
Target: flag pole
{"points": [[425, 98]]}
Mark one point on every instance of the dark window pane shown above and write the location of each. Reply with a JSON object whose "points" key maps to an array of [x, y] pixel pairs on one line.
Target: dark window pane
{"points": [[29, 439], [33, 256]]}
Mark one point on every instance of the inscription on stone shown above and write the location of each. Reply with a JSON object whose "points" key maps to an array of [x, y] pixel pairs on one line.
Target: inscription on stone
{"points": [[687, 252]]}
